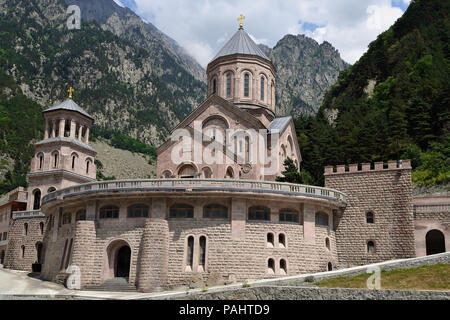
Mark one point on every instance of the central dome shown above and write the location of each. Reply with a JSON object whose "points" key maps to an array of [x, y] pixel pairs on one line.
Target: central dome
{"points": [[242, 74], [241, 43]]}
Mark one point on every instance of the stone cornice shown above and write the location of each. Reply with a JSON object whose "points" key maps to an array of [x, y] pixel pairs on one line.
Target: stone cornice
{"points": [[62, 172]]}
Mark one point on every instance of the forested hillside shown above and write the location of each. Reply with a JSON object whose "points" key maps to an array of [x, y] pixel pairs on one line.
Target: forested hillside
{"points": [[393, 103]]}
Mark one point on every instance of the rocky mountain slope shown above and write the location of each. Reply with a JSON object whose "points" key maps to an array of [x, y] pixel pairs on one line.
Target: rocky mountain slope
{"points": [[123, 164], [305, 71], [142, 91], [126, 24]]}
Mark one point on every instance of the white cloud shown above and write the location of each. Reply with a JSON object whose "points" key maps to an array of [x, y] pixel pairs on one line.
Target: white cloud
{"points": [[203, 26], [118, 3]]}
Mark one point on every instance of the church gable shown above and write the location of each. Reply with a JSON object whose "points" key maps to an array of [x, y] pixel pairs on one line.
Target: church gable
{"points": [[215, 110]]}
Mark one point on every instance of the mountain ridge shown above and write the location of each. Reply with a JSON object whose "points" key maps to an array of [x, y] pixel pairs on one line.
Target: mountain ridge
{"points": [[305, 71]]}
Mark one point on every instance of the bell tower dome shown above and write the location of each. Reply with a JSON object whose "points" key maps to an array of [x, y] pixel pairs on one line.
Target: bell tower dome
{"points": [[64, 157], [242, 74]]}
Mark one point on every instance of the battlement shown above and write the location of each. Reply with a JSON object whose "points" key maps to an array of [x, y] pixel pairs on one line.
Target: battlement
{"points": [[367, 167]]}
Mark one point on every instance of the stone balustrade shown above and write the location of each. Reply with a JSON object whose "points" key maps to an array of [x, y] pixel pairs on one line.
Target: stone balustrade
{"points": [[223, 185], [27, 214]]}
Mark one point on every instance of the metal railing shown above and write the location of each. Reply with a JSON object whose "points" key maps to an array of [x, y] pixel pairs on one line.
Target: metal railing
{"points": [[27, 214], [226, 185]]}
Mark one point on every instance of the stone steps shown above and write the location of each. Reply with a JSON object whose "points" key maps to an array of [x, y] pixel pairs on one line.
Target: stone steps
{"points": [[114, 285]]}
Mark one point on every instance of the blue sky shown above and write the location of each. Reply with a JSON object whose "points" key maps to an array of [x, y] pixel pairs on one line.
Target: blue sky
{"points": [[203, 26]]}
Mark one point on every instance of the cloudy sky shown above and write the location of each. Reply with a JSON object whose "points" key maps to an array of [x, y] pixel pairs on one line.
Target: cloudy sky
{"points": [[203, 26]]}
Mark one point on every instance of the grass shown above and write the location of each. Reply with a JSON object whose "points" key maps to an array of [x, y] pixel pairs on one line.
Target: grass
{"points": [[436, 277]]}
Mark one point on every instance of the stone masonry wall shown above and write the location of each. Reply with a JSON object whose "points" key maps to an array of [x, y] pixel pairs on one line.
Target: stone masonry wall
{"points": [[17, 239], [248, 259], [388, 194], [154, 257]]}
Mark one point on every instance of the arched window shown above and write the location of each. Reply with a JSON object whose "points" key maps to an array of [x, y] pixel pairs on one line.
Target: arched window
{"points": [[370, 247], [167, 174], [55, 156], [88, 163], [202, 262], [109, 212], [283, 267], [289, 215], [270, 266], [22, 252], [74, 158], [80, 215], [246, 85], [181, 211], [270, 240], [138, 211], [259, 213], [41, 160], [67, 218], [321, 219], [39, 248], [41, 228], [229, 85], [187, 172], [230, 173], [370, 217], [327, 243], [37, 199], [51, 189], [215, 211], [330, 266], [207, 173], [262, 88], [25, 229], [282, 240], [214, 86], [190, 254]]}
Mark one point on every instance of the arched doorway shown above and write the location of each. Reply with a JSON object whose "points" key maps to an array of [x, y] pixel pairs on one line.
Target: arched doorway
{"points": [[435, 242], [2, 257], [118, 260], [122, 269]]}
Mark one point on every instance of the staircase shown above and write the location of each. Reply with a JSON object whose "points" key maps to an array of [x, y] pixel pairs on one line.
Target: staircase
{"points": [[114, 285]]}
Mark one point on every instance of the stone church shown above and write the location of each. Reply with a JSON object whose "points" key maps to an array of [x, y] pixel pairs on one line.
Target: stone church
{"points": [[203, 222]]}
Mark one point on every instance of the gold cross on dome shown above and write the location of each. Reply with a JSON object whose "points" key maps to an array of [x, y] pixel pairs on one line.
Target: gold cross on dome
{"points": [[70, 91], [241, 19]]}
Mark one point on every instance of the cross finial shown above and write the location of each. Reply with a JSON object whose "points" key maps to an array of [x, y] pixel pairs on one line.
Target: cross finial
{"points": [[70, 91], [241, 23]]}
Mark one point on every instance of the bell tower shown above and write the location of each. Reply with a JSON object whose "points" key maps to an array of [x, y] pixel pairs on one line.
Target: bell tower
{"points": [[63, 158], [242, 74]]}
